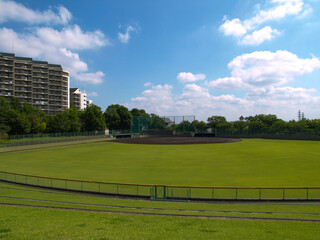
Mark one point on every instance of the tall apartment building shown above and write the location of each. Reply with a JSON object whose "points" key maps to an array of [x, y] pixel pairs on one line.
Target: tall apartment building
{"points": [[39, 83], [79, 99]]}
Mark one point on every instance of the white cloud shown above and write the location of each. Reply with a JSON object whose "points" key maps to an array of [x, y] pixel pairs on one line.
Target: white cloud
{"points": [[233, 27], [282, 93], [93, 94], [71, 37], [259, 36], [185, 77], [246, 32], [261, 73], [147, 84], [12, 11], [197, 100], [124, 37], [227, 83], [93, 78], [264, 68], [281, 9]]}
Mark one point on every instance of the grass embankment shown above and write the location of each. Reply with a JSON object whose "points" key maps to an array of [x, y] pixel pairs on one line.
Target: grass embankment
{"points": [[252, 162], [32, 223]]}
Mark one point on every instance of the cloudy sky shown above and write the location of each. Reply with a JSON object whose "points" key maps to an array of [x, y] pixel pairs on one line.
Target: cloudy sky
{"points": [[181, 57]]}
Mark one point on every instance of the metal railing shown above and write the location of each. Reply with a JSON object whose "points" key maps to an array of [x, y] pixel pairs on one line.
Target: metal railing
{"points": [[33, 139], [163, 192]]}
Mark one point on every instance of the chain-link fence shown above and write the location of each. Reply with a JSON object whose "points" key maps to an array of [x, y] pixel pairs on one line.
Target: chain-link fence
{"points": [[269, 133], [162, 192], [33, 139], [164, 125]]}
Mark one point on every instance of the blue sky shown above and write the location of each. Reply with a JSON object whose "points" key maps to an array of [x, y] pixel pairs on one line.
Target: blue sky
{"points": [[178, 57]]}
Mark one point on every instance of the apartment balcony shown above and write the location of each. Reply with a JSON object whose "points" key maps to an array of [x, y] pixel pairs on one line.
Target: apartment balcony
{"points": [[6, 63], [23, 84], [6, 81], [6, 75], [18, 66], [6, 94]]}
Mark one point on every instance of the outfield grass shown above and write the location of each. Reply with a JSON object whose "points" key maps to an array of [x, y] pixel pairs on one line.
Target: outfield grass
{"points": [[251, 162], [33, 223], [56, 224]]}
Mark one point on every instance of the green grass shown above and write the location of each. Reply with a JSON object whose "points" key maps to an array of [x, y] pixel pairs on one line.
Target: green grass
{"points": [[19, 223], [251, 162], [33, 223]]}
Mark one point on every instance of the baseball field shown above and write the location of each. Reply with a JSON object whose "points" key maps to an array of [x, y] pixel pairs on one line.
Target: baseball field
{"points": [[28, 212]]}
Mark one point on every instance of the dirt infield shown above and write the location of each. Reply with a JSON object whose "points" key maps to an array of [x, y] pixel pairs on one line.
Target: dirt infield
{"points": [[176, 140]]}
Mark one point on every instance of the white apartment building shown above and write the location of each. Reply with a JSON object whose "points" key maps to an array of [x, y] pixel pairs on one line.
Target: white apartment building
{"points": [[79, 99]]}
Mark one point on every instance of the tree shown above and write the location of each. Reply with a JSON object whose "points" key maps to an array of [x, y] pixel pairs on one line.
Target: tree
{"points": [[4, 108], [216, 121], [200, 125], [92, 119], [267, 120], [239, 125], [156, 122], [117, 117], [256, 125], [139, 113], [36, 118], [279, 125]]}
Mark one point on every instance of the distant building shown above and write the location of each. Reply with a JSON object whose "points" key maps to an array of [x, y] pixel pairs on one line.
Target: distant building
{"points": [[79, 99], [43, 85]]}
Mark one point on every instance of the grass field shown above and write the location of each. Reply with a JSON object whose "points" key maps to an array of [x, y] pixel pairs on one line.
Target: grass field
{"points": [[34, 223], [251, 162]]}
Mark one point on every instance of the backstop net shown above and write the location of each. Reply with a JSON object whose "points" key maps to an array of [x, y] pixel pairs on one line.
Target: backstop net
{"points": [[162, 125]]}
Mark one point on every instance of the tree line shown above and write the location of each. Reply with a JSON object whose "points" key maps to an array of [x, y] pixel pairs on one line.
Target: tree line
{"points": [[23, 118]]}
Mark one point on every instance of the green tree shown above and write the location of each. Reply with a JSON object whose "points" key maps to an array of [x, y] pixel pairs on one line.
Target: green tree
{"points": [[239, 125], [4, 108], [117, 117], [256, 125], [279, 125], [36, 118], [139, 113], [200, 125], [92, 119], [215, 122], [156, 122]]}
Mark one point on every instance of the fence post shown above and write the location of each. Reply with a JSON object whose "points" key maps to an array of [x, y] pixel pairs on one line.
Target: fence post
{"points": [[117, 189], [236, 193], [81, 186], [259, 193], [307, 193], [137, 190]]}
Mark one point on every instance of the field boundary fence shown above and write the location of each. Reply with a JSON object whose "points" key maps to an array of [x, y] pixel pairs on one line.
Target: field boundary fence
{"points": [[34, 139], [270, 133], [163, 192]]}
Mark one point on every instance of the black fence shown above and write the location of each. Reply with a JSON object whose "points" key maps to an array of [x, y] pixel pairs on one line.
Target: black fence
{"points": [[162, 192]]}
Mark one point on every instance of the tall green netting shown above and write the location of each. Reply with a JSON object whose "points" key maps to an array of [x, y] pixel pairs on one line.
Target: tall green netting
{"points": [[138, 124]]}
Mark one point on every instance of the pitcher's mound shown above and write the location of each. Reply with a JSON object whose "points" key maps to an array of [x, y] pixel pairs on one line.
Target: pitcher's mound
{"points": [[176, 140]]}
